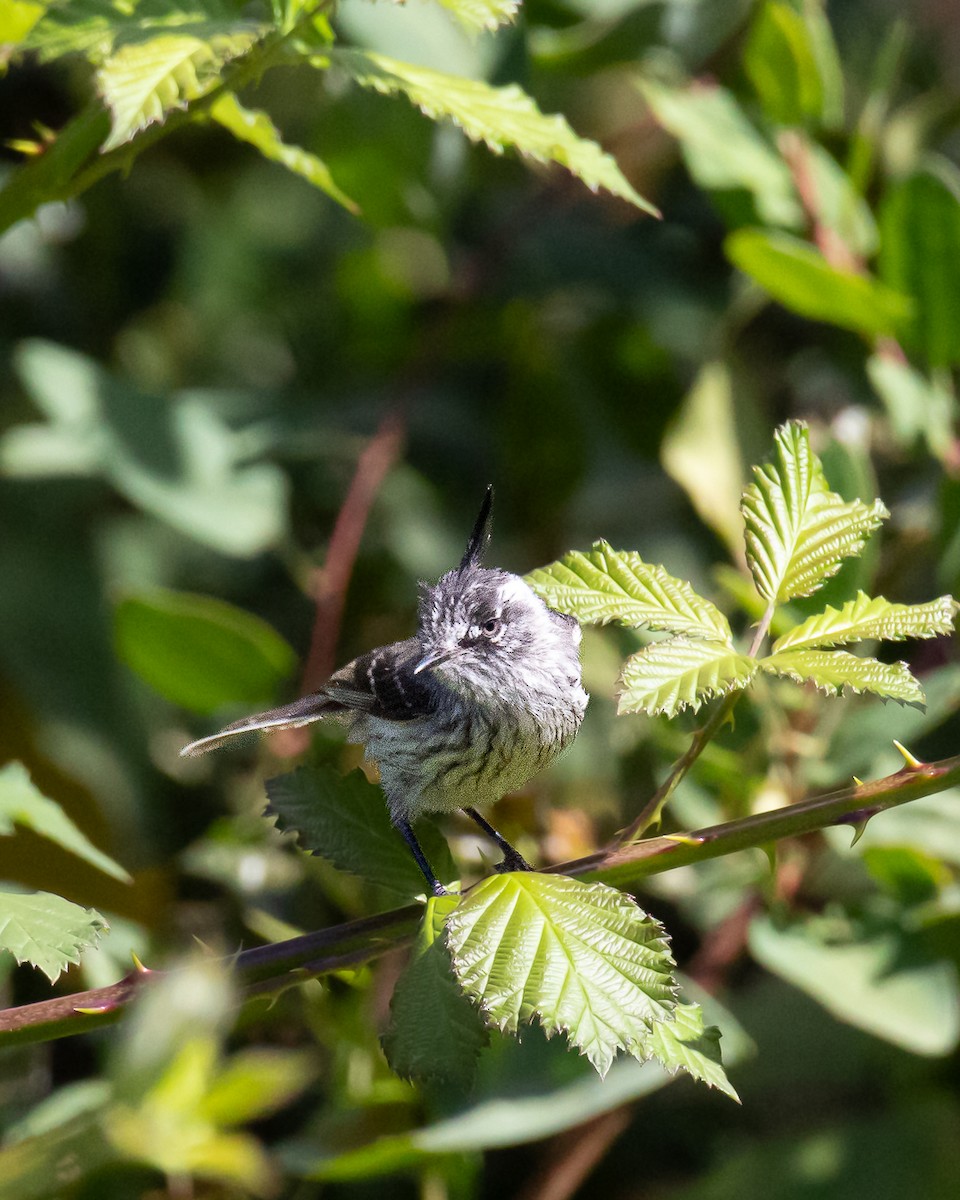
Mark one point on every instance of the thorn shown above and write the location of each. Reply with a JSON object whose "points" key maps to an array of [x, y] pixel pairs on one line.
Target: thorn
{"points": [[913, 763], [858, 828], [203, 946], [141, 969], [95, 1010], [858, 782], [684, 839]]}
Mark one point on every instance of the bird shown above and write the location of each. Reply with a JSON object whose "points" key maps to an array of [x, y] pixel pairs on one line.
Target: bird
{"points": [[486, 694]]}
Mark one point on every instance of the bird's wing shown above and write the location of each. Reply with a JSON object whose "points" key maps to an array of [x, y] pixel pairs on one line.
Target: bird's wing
{"points": [[381, 684]]}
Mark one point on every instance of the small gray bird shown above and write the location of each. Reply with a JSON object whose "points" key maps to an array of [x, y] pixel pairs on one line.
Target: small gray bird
{"points": [[485, 695]]}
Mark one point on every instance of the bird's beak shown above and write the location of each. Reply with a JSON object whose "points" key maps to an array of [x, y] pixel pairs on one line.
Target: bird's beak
{"points": [[431, 658]]}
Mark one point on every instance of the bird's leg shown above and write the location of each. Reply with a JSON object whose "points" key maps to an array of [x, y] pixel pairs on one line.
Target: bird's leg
{"points": [[417, 851], [513, 860]]}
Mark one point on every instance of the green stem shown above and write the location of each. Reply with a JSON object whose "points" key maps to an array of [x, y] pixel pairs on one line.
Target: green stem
{"points": [[274, 967]]}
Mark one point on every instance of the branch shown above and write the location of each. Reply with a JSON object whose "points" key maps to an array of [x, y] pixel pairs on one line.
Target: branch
{"points": [[274, 967]]}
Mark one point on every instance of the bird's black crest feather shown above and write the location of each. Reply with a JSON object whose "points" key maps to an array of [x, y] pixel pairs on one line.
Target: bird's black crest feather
{"points": [[480, 537]]}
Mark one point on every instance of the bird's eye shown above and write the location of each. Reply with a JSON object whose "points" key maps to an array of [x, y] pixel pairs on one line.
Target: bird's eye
{"points": [[491, 627]]}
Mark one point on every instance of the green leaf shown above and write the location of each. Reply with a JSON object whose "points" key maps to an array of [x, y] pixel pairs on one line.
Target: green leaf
{"points": [[780, 62], [875, 982], [435, 1032], [46, 930], [22, 803], [344, 818], [480, 15], [833, 671], [797, 531], [839, 207], [258, 130], [916, 407], [583, 959], [801, 279], [920, 224], [617, 585], [200, 652], [875, 619], [722, 149], [684, 1044], [142, 82], [679, 673], [254, 1084], [498, 116]]}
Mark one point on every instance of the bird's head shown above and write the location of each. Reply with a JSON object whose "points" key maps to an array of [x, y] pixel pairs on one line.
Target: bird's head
{"points": [[486, 634]]}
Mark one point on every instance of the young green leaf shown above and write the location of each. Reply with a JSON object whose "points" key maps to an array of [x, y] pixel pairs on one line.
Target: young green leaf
{"points": [[801, 279], [498, 116], [874, 619], [22, 803], [255, 127], [344, 819], [141, 82], [617, 585], [679, 673], [583, 959], [833, 671], [480, 15], [435, 1032], [46, 930], [200, 652], [798, 531], [683, 1043]]}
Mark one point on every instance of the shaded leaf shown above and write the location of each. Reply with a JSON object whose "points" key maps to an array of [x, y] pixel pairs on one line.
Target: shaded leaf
{"points": [[617, 585], [22, 803], [679, 673], [582, 959], [798, 531], [498, 116], [344, 819], [435, 1032], [801, 279], [875, 619], [833, 671], [47, 930], [200, 652], [256, 128]]}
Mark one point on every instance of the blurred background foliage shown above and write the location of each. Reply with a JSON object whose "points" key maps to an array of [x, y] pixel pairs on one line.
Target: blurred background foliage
{"points": [[199, 358]]}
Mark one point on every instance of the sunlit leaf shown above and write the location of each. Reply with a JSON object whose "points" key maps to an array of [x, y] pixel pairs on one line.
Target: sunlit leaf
{"points": [[780, 62], [46, 930], [801, 279], [680, 673], [617, 585], [249, 125], [683, 1043], [499, 116], [582, 959], [798, 531], [255, 1083], [874, 619], [435, 1032], [834, 671], [482, 14], [201, 652], [917, 407], [22, 803], [344, 819]]}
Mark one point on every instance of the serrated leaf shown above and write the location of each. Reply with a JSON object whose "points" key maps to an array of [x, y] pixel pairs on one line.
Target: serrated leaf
{"points": [[22, 803], [435, 1032], [797, 531], [258, 130], [617, 585], [344, 819], [581, 958], [479, 15], [143, 81], [800, 278], [679, 673], [833, 671], [46, 930], [871, 618], [683, 1043], [497, 116]]}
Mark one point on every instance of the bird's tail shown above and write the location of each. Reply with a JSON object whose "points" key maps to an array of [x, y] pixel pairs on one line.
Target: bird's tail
{"points": [[289, 716]]}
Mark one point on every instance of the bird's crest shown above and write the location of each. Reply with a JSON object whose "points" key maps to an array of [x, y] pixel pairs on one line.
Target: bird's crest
{"points": [[480, 536]]}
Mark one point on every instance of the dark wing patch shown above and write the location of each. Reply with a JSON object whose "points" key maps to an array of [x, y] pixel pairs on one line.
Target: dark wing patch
{"points": [[382, 683]]}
